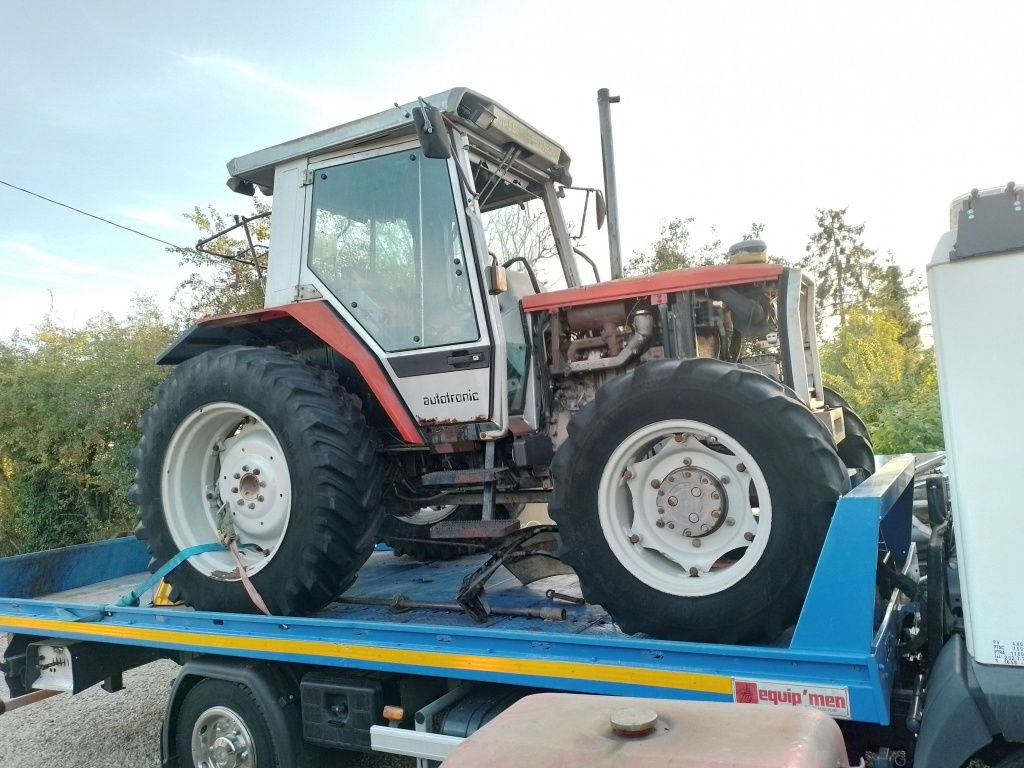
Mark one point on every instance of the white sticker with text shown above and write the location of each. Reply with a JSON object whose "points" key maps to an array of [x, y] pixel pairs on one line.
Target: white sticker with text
{"points": [[834, 701]]}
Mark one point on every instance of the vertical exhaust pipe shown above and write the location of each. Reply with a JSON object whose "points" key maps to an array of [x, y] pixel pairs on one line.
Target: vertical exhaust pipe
{"points": [[604, 102]]}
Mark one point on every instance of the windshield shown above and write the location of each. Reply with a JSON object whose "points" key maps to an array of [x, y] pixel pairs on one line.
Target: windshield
{"points": [[385, 240]]}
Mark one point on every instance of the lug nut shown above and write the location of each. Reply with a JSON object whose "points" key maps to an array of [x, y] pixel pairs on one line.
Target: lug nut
{"points": [[655, 483], [716, 513], [241, 502], [748, 536], [670, 479], [672, 501], [634, 539], [715, 496], [236, 475], [694, 517], [687, 462], [730, 521], [704, 528], [696, 542], [209, 496], [687, 532], [741, 467], [671, 525], [725, 480], [627, 475], [259, 498], [235, 489], [695, 492], [687, 475], [263, 483], [256, 470], [661, 493], [660, 523]]}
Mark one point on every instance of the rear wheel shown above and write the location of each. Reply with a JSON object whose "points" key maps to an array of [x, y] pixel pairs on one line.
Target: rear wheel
{"points": [[693, 498], [256, 445], [855, 450]]}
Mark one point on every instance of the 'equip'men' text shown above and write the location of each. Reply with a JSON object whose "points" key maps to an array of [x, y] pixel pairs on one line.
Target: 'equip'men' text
{"points": [[451, 397]]}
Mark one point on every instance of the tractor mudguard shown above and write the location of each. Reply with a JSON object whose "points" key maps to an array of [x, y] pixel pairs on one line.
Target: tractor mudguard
{"points": [[290, 322]]}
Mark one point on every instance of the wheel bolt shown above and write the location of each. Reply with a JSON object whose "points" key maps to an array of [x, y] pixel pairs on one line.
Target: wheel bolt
{"points": [[660, 523], [234, 490], [241, 502], [687, 462], [730, 521], [661, 493], [245, 467], [627, 475], [748, 536], [695, 491], [694, 573], [716, 513], [655, 483], [263, 483], [696, 542], [252, 506], [687, 532], [725, 480], [256, 470], [694, 517], [715, 496], [209, 496], [671, 526], [672, 501], [634, 538], [236, 475], [259, 498], [670, 479], [687, 475], [741, 467], [704, 528]]}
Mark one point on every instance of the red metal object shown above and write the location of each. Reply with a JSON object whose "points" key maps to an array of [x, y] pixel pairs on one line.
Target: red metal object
{"points": [[652, 285], [321, 320]]}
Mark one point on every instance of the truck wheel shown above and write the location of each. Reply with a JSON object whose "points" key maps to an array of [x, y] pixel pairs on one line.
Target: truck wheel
{"points": [[409, 535], [855, 450], [255, 441], [222, 724], [693, 498]]}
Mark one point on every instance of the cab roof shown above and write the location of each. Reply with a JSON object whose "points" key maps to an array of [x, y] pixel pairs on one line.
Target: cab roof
{"points": [[483, 118]]}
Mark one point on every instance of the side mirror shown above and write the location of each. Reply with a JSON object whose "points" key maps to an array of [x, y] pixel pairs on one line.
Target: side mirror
{"points": [[497, 279], [432, 133], [602, 209]]}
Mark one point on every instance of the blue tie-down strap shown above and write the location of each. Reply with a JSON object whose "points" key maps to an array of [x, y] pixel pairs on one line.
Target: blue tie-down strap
{"points": [[132, 598]]}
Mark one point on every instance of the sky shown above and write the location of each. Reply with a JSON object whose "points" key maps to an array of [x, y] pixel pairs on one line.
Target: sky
{"points": [[731, 112]]}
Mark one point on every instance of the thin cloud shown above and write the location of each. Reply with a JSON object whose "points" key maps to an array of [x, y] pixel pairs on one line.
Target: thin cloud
{"points": [[23, 260]]}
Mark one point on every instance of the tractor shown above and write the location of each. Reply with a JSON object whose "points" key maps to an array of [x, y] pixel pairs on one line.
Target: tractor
{"points": [[409, 380]]}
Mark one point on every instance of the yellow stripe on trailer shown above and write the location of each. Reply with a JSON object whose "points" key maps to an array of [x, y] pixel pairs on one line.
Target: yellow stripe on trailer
{"points": [[610, 673]]}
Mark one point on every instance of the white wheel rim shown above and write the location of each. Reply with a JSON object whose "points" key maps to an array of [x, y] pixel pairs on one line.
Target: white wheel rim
{"points": [[664, 461], [220, 739], [224, 470], [430, 515]]}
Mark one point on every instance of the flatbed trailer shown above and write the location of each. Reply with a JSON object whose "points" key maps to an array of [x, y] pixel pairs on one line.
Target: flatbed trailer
{"points": [[841, 656]]}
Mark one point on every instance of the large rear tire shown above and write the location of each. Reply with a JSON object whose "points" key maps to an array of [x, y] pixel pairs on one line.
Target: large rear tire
{"points": [[257, 442], [855, 449], [693, 498]]}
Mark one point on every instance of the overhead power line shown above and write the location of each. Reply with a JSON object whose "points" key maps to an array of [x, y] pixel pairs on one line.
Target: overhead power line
{"points": [[93, 216]]}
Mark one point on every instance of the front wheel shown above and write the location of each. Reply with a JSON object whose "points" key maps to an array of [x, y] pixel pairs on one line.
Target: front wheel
{"points": [[693, 498]]}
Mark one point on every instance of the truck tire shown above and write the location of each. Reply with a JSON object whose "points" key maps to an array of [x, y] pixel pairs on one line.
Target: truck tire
{"points": [[730, 561], [409, 535], [255, 439], [855, 450], [222, 723]]}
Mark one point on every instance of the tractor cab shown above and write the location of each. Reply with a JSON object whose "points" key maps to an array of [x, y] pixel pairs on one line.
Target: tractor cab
{"points": [[386, 219]]}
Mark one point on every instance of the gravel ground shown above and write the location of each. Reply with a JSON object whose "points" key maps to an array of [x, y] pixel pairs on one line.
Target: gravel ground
{"points": [[113, 730]]}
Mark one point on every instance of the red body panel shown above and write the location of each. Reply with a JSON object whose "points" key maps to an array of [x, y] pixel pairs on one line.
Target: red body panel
{"points": [[320, 319], [691, 279]]}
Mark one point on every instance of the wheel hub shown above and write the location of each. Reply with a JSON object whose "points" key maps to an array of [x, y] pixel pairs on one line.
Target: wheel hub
{"points": [[691, 501], [220, 739], [227, 751]]}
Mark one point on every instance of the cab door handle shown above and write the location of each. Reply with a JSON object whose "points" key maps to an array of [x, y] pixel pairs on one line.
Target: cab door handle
{"points": [[465, 358]]}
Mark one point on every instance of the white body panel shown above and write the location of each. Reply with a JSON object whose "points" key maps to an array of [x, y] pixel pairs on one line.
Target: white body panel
{"points": [[977, 311], [289, 219], [447, 397]]}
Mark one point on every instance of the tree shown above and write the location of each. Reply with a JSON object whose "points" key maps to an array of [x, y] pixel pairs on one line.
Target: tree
{"points": [[891, 296], [893, 386], [675, 249], [70, 399], [844, 268], [221, 285]]}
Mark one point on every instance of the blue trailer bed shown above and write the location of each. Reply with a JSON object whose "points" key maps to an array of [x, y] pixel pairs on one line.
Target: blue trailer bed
{"points": [[839, 657]]}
